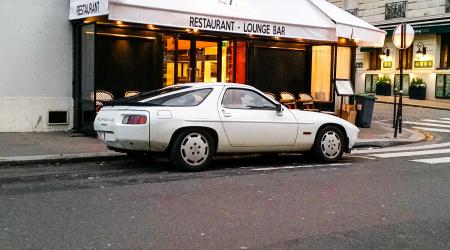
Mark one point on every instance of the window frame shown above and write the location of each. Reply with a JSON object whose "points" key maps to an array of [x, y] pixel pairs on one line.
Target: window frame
{"points": [[445, 40], [250, 90]]}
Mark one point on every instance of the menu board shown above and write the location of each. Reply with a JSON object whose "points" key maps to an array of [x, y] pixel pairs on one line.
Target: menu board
{"points": [[344, 88]]}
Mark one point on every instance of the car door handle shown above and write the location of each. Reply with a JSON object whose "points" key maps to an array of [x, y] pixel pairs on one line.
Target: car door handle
{"points": [[226, 114]]}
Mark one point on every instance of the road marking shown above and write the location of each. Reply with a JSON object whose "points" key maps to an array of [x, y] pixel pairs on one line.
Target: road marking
{"points": [[438, 121], [414, 153], [433, 129], [434, 160], [403, 148], [302, 166], [447, 119], [428, 124], [363, 157]]}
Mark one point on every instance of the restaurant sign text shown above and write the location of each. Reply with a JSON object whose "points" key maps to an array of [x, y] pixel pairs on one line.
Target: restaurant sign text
{"points": [[254, 28], [87, 8]]}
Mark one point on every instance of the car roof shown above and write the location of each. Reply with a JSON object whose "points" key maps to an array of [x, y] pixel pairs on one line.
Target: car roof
{"points": [[215, 84]]}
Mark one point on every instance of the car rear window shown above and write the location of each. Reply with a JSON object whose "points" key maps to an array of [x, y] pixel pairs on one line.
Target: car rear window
{"points": [[149, 94], [184, 99]]}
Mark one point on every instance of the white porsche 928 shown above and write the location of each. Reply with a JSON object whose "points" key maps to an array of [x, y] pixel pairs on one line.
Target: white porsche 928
{"points": [[192, 122]]}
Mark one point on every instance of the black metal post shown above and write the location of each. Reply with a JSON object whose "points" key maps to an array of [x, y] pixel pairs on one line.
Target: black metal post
{"points": [[398, 122], [394, 117]]}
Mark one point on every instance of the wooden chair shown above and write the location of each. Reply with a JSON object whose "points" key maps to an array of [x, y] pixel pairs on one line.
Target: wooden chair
{"points": [[271, 95], [131, 93], [288, 99], [307, 102]]}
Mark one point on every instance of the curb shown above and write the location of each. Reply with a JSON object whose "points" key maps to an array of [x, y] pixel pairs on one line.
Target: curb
{"points": [[416, 105], [61, 158], [416, 136]]}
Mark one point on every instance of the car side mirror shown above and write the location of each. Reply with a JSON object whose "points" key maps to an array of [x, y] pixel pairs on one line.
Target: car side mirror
{"points": [[279, 108]]}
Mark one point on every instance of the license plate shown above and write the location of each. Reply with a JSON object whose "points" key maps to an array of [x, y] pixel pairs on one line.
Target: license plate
{"points": [[106, 136]]}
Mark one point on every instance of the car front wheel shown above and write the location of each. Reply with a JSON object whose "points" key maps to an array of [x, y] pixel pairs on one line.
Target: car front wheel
{"points": [[329, 145], [192, 150]]}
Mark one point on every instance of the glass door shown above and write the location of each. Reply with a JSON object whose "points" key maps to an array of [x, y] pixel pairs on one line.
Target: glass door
{"points": [[86, 100], [206, 63], [184, 68]]}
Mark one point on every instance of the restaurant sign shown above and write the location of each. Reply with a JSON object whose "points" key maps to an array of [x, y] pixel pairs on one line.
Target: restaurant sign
{"points": [[87, 8]]}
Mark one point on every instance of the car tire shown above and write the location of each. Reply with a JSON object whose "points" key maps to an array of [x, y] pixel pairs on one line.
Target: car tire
{"points": [[329, 144], [192, 150]]}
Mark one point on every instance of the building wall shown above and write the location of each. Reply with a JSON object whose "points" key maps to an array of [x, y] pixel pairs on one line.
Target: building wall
{"points": [[35, 64], [373, 11]]}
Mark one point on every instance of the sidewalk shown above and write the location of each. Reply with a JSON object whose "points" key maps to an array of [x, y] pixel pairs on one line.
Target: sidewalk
{"points": [[21, 148], [435, 104]]}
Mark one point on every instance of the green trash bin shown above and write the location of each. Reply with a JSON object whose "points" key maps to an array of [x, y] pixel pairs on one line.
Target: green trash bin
{"points": [[364, 107]]}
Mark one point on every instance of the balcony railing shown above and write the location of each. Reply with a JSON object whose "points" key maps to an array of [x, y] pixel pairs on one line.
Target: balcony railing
{"points": [[355, 11], [395, 10], [447, 6]]}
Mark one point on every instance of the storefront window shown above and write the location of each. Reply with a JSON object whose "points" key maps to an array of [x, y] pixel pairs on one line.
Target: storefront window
{"points": [[184, 58], [445, 45], [321, 73], [241, 61], [371, 81], [408, 55], [343, 60], [206, 65], [406, 81], [443, 86], [169, 61], [228, 61], [374, 59]]}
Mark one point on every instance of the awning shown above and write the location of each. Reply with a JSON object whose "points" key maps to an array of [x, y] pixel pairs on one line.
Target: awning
{"points": [[299, 19], [254, 17], [352, 27]]}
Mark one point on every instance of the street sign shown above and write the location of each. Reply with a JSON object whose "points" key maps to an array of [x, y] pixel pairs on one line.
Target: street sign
{"points": [[397, 36]]}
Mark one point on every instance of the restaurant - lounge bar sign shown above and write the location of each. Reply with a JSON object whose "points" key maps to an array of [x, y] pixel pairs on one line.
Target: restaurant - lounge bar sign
{"points": [[255, 28], [87, 8]]}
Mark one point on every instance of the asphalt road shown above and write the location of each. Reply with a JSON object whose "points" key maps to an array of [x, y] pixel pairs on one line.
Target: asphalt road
{"points": [[370, 200]]}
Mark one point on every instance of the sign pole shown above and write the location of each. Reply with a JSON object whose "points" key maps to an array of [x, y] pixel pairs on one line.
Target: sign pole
{"points": [[403, 37]]}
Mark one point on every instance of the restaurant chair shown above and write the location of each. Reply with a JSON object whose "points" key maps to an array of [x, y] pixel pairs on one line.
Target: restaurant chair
{"points": [[288, 99], [131, 93], [271, 95], [101, 96], [307, 102]]}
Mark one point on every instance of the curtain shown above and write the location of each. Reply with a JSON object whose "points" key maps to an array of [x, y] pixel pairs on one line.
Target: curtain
{"points": [[321, 73], [343, 60]]}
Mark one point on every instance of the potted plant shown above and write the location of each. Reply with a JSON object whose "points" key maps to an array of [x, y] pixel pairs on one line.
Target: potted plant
{"points": [[417, 89], [383, 86]]}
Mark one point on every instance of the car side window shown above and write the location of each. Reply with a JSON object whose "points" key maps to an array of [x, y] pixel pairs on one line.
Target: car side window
{"points": [[246, 99], [184, 99]]}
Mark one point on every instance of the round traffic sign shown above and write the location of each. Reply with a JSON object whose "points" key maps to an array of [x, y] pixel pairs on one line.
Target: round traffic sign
{"points": [[408, 33]]}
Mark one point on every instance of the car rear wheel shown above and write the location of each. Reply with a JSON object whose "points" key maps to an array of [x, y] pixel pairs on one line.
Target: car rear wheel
{"points": [[330, 144], [192, 150]]}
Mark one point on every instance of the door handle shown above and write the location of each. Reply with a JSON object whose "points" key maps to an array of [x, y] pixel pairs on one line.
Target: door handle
{"points": [[226, 114]]}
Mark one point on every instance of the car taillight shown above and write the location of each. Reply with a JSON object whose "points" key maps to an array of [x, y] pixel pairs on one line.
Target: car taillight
{"points": [[134, 119]]}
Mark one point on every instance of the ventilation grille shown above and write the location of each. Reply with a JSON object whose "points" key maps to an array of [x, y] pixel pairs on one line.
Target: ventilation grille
{"points": [[58, 118]]}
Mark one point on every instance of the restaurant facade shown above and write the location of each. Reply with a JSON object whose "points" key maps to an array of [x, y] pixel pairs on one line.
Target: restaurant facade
{"points": [[132, 46]]}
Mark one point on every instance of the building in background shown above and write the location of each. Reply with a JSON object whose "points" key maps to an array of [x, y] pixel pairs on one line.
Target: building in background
{"points": [[431, 22], [36, 66]]}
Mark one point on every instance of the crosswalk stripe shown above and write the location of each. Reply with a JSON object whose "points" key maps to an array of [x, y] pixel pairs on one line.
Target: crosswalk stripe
{"points": [[433, 129], [434, 160], [428, 124], [447, 119], [402, 148], [414, 153], [438, 121]]}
